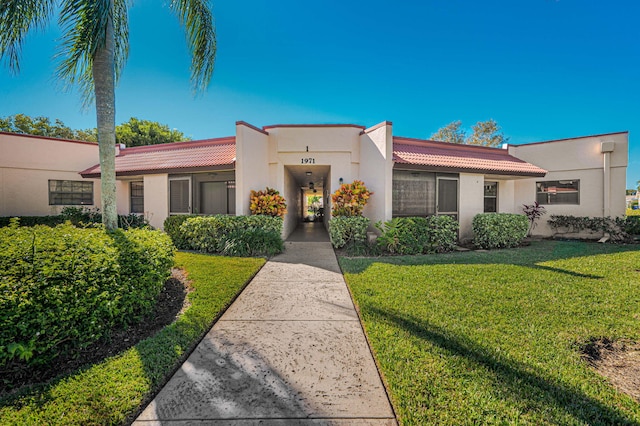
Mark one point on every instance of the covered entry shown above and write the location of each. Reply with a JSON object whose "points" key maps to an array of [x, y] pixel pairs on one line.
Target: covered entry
{"points": [[307, 193]]}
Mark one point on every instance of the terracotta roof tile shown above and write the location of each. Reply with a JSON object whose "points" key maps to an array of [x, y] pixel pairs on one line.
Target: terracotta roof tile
{"points": [[173, 157], [458, 157]]}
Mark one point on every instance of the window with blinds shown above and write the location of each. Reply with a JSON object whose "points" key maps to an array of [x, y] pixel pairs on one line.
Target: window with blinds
{"points": [[180, 196]]}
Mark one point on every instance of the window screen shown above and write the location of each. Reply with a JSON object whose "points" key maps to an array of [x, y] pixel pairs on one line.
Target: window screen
{"points": [[558, 192], [179, 196], [70, 192], [413, 193], [137, 197], [490, 197]]}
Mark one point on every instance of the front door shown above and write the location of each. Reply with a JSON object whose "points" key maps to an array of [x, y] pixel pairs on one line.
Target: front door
{"points": [[213, 197]]}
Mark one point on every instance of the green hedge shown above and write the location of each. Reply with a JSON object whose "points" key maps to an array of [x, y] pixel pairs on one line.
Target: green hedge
{"points": [[348, 231], [256, 235], [499, 230], [172, 228], [78, 216], [418, 235], [620, 228], [65, 287]]}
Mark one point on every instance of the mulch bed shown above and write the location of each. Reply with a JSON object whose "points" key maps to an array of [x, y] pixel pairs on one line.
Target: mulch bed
{"points": [[170, 303]]}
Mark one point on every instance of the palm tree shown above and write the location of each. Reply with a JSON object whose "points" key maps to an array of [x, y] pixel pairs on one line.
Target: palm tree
{"points": [[93, 51]]}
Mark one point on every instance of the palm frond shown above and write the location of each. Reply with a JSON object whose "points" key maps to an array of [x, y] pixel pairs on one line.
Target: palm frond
{"points": [[197, 18], [17, 18], [84, 24]]}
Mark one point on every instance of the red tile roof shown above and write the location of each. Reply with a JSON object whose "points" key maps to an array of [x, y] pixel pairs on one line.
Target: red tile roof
{"points": [[208, 154], [456, 157]]}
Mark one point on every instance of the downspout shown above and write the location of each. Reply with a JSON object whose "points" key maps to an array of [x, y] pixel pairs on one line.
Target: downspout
{"points": [[606, 148]]}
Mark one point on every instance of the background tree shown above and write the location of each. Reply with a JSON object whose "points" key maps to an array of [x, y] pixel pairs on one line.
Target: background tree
{"points": [[42, 126], [486, 133], [94, 48], [136, 132], [452, 133]]}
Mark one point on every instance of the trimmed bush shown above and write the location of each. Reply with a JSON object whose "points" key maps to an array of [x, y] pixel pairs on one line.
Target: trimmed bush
{"points": [[499, 230], [632, 225], [78, 216], [172, 228], [234, 235], [65, 287], [418, 235], [348, 231]]}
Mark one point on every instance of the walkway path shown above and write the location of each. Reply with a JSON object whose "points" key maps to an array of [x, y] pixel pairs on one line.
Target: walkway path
{"points": [[289, 350]]}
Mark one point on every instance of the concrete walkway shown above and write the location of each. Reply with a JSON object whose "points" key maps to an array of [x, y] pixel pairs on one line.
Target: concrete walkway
{"points": [[289, 350]]}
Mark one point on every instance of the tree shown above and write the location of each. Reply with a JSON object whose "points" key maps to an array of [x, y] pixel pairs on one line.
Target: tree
{"points": [[486, 133], [93, 49], [42, 126], [137, 132]]}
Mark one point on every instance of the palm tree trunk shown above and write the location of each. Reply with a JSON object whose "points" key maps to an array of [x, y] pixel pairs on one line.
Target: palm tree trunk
{"points": [[104, 80]]}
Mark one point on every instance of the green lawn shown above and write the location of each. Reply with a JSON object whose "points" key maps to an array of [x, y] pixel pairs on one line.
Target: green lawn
{"points": [[494, 337], [114, 390]]}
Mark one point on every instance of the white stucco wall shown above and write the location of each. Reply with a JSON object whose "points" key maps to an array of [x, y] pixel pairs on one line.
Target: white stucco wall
{"points": [[570, 159], [376, 170], [252, 165], [470, 202], [27, 163], [294, 203]]}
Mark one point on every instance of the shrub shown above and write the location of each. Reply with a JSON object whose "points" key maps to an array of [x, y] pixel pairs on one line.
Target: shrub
{"points": [[268, 202], [619, 229], [172, 228], [499, 230], [348, 231], [533, 212], [78, 216], [350, 199], [418, 235], [234, 235], [66, 287]]}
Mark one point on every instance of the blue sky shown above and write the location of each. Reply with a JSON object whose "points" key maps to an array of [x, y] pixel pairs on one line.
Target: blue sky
{"points": [[544, 69]]}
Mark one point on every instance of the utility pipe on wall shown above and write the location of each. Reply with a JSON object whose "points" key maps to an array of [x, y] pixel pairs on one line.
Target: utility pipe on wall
{"points": [[607, 148]]}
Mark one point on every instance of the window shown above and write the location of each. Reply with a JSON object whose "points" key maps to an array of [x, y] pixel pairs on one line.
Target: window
{"points": [[558, 192], [490, 197], [70, 192], [413, 193], [137, 197], [231, 197], [180, 195]]}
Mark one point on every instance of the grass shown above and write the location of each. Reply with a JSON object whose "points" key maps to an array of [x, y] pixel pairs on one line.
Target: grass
{"points": [[113, 391], [494, 337]]}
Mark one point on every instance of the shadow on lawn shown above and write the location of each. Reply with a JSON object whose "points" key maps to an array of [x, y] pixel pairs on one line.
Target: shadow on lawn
{"points": [[530, 256], [520, 382]]}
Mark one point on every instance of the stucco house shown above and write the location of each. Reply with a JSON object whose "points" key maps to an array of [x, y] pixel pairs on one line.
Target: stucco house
{"points": [[582, 176]]}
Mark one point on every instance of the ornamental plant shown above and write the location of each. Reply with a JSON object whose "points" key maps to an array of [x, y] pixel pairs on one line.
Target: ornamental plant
{"points": [[350, 199], [533, 212], [268, 202]]}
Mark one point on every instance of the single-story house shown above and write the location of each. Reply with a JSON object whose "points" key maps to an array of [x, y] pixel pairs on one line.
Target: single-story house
{"points": [[582, 176]]}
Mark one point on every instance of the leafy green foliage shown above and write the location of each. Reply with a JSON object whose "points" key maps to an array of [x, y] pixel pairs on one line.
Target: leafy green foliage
{"points": [[619, 229], [42, 126], [499, 230], [136, 132], [78, 216], [255, 235], [493, 338], [268, 202], [418, 235], [486, 133], [350, 199], [172, 228], [113, 391], [348, 231], [65, 287]]}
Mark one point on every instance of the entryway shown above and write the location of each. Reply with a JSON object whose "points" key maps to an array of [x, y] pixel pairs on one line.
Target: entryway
{"points": [[310, 232]]}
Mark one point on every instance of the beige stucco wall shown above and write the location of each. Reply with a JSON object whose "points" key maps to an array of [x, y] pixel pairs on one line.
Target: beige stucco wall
{"points": [[578, 158], [156, 199], [470, 202], [293, 196], [28, 163], [252, 165]]}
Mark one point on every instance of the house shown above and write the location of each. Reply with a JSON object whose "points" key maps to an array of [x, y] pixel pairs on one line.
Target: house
{"points": [[583, 176]]}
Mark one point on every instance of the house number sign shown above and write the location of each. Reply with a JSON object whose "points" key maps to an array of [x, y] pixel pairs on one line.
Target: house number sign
{"points": [[308, 161]]}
